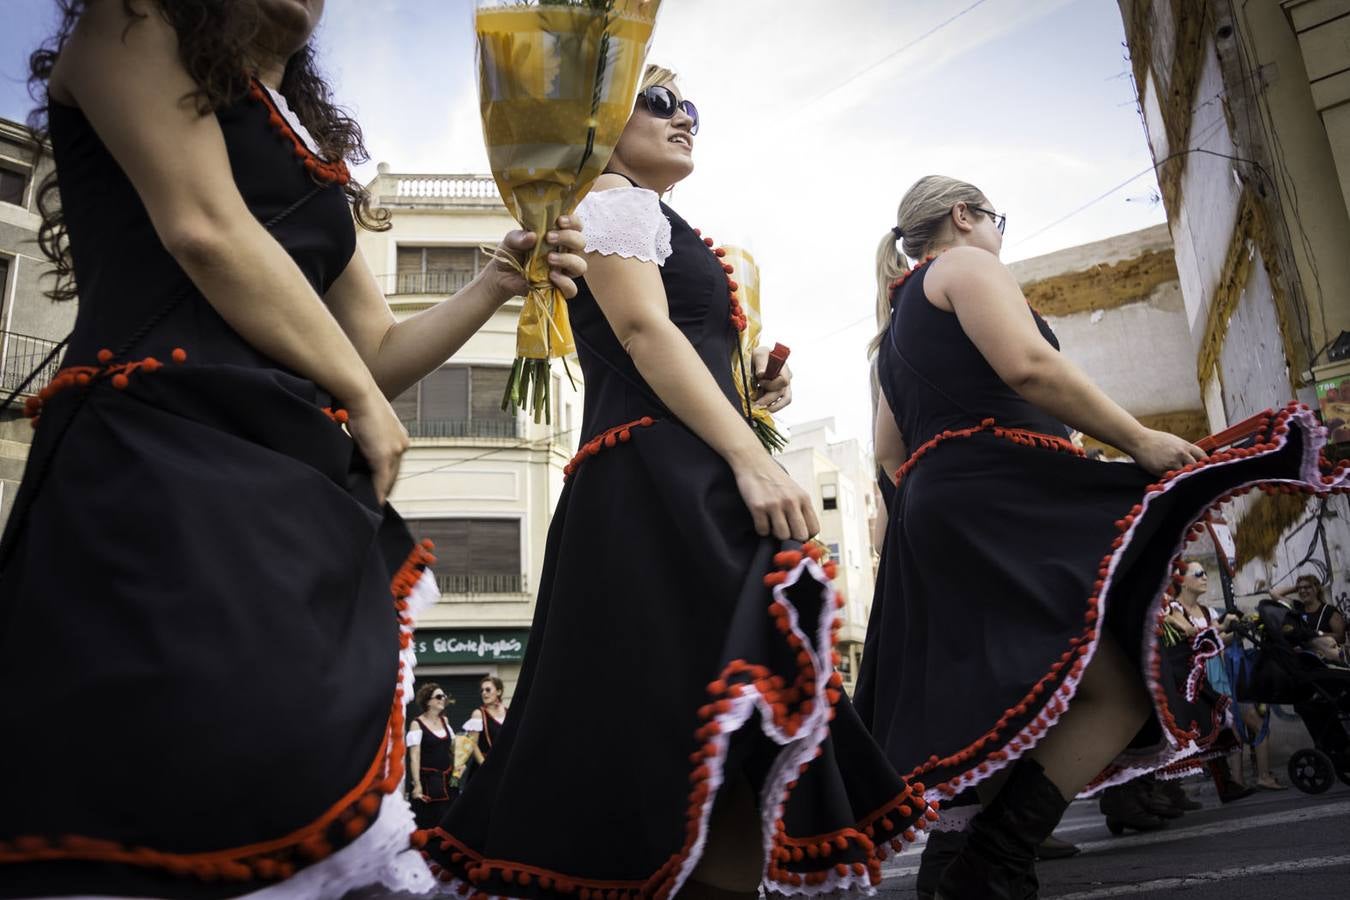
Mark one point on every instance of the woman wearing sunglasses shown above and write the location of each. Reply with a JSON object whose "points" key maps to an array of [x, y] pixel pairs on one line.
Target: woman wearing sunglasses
{"points": [[717, 730], [431, 757], [1012, 631]]}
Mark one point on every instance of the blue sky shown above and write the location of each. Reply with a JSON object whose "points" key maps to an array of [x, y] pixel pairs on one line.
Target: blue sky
{"points": [[800, 157]]}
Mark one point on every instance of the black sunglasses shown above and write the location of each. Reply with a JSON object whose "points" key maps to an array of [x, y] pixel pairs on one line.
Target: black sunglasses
{"points": [[438, 696], [1000, 220], [1201, 574], [662, 103]]}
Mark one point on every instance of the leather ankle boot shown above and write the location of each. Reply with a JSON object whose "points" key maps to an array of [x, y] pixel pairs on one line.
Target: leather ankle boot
{"points": [[1123, 809], [998, 861], [938, 853]]}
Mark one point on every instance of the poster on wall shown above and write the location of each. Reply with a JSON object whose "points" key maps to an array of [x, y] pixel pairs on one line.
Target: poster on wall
{"points": [[1333, 397]]}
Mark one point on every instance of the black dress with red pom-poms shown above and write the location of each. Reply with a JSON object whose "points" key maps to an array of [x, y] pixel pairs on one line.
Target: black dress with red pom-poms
{"points": [[197, 568], [699, 651], [1008, 555]]}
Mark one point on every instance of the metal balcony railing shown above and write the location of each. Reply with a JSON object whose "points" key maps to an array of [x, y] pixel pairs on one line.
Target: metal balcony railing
{"points": [[473, 585], [424, 282], [20, 354], [504, 427]]}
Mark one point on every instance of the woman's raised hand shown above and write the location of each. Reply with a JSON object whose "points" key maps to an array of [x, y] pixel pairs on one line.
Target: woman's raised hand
{"points": [[777, 503], [1159, 452], [380, 437], [565, 260]]}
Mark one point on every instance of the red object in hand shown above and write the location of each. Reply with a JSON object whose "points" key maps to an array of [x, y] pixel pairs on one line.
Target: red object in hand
{"points": [[777, 358]]}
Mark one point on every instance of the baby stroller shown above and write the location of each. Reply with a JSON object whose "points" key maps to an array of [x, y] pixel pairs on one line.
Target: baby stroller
{"points": [[1281, 670]]}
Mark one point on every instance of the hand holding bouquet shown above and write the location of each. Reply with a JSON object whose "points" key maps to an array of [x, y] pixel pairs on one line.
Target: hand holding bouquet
{"points": [[556, 83], [745, 276]]}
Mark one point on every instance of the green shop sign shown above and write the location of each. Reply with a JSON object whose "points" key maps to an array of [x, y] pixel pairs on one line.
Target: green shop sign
{"points": [[438, 646]]}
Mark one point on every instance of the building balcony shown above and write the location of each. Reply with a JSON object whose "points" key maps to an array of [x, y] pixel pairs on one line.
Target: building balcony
{"points": [[470, 588], [20, 354], [397, 284], [412, 191], [497, 428]]}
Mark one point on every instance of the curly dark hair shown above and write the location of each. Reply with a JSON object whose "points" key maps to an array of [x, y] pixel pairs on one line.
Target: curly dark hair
{"points": [[215, 38]]}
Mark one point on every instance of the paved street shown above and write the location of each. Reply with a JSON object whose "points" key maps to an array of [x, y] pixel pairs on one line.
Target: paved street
{"points": [[1270, 845]]}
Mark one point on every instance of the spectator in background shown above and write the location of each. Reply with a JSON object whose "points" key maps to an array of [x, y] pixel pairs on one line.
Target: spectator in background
{"points": [[487, 719], [430, 757], [1188, 616], [1309, 600]]}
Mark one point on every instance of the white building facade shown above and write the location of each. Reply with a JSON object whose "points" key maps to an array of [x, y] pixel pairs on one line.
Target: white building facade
{"points": [[478, 481]]}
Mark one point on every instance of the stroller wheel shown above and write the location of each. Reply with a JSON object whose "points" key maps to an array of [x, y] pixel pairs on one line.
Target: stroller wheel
{"points": [[1311, 771]]}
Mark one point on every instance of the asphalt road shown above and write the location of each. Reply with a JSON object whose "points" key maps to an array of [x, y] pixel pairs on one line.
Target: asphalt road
{"points": [[1282, 844]]}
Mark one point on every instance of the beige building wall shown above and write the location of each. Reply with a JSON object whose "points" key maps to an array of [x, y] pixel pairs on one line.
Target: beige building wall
{"points": [[509, 476], [1117, 307], [839, 477], [1246, 108], [30, 323]]}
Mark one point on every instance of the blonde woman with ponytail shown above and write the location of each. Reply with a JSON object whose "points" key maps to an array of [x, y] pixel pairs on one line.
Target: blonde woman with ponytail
{"points": [[1010, 646]]}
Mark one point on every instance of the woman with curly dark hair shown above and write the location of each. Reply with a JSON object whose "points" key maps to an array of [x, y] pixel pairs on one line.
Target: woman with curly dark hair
{"points": [[200, 557]]}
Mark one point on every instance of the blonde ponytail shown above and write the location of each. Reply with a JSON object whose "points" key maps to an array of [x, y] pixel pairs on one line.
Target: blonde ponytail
{"points": [[891, 264]]}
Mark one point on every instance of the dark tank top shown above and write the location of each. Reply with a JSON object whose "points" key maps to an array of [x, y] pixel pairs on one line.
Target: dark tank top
{"points": [[936, 379]]}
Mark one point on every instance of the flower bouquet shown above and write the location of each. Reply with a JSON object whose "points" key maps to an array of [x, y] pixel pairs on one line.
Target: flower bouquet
{"points": [[556, 84], [744, 275]]}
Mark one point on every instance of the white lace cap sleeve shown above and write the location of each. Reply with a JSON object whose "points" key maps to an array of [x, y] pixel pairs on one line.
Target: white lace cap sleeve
{"points": [[474, 724], [627, 222], [413, 738]]}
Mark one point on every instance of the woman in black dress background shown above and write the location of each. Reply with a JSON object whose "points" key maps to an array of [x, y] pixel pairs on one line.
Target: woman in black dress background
{"points": [[724, 756], [431, 757], [198, 542], [1014, 626]]}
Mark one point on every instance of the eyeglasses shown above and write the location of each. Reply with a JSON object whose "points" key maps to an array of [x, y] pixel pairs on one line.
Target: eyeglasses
{"points": [[662, 103], [438, 696], [1000, 220], [1201, 574]]}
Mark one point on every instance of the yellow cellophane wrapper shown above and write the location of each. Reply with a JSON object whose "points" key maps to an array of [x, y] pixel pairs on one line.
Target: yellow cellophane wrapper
{"points": [[464, 744], [547, 137], [745, 272]]}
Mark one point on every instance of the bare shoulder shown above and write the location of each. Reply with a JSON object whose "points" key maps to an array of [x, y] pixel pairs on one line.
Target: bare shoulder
{"points": [[415, 723], [961, 264], [608, 181], [477, 713]]}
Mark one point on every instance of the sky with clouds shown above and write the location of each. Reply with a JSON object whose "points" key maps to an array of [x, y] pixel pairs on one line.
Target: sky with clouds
{"points": [[816, 116]]}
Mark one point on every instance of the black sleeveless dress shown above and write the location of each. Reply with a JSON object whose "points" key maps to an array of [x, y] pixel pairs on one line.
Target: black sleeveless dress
{"points": [[654, 594], [436, 764], [1008, 554], [197, 565]]}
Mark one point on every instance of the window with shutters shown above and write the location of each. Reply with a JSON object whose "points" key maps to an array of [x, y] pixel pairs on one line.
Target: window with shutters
{"points": [[436, 270], [474, 556], [458, 401], [13, 186]]}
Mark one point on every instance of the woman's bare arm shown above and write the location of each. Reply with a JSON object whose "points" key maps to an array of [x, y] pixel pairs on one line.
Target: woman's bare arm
{"points": [[125, 75], [987, 300], [887, 444], [399, 354], [632, 297]]}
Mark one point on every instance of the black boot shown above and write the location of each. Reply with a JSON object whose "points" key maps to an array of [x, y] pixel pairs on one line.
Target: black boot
{"points": [[1229, 790], [1154, 801], [941, 848], [999, 859], [1123, 809], [1176, 794]]}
